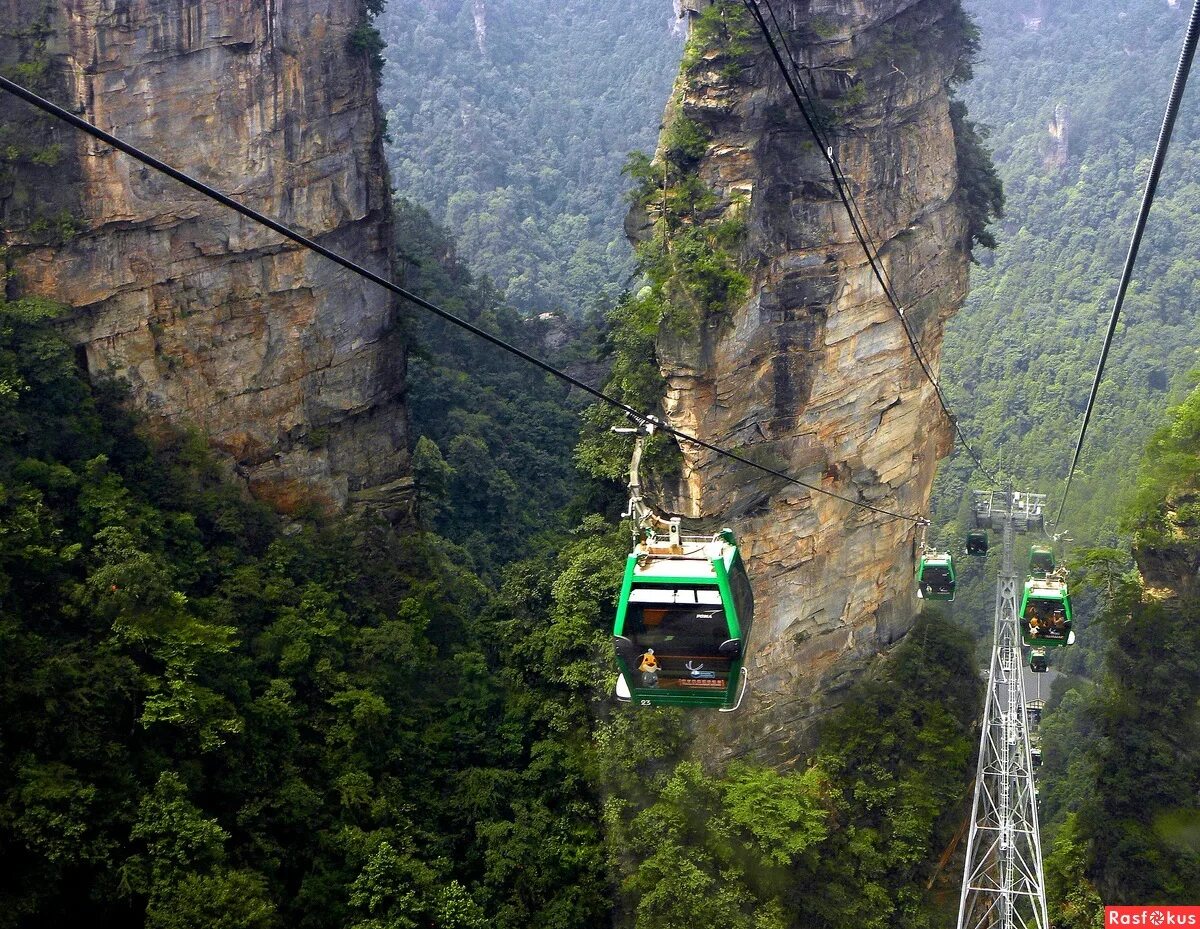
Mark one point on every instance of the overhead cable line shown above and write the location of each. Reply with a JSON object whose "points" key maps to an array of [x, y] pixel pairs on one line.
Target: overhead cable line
{"points": [[1160, 156], [857, 225], [822, 139], [304, 241]]}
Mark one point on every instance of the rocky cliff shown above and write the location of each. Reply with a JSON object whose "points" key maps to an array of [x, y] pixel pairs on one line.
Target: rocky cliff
{"points": [[806, 366], [288, 363]]}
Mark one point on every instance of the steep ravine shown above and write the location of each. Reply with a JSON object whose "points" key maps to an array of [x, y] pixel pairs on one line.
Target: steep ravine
{"points": [[811, 372], [289, 364]]}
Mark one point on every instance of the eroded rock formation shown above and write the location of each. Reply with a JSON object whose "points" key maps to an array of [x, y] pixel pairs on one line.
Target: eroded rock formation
{"points": [[1059, 131], [812, 373], [287, 362]]}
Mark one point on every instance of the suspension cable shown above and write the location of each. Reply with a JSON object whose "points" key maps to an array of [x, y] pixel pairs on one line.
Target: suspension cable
{"points": [[305, 242], [856, 224], [1160, 156], [823, 140]]}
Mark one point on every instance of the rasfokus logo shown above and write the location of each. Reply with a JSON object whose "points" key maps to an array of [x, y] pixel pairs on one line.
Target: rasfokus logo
{"points": [[1154, 916]]}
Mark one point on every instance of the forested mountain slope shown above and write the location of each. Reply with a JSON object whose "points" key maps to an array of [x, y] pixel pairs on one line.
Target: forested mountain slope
{"points": [[212, 717], [1074, 92], [1123, 745], [510, 121]]}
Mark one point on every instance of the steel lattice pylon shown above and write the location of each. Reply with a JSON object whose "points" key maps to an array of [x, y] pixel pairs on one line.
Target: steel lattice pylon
{"points": [[1003, 883]]}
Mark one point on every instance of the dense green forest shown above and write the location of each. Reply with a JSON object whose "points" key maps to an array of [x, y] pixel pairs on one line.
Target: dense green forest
{"points": [[1019, 359], [210, 716], [496, 437], [510, 122], [1123, 742], [1118, 787]]}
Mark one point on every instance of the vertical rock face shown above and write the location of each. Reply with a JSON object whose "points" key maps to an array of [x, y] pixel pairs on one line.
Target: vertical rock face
{"points": [[812, 373], [1059, 131], [287, 362]]}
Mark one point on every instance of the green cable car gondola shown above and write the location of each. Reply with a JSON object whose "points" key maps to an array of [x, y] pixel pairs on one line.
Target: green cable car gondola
{"points": [[1046, 613], [683, 617], [1041, 561], [977, 543], [1037, 660], [935, 576], [684, 611]]}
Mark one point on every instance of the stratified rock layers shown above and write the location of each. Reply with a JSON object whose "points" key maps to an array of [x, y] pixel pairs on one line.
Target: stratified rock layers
{"points": [[287, 362], [813, 373]]}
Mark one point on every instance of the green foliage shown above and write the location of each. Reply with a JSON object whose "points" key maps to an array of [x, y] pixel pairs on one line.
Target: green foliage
{"points": [[683, 142], [636, 381], [33, 48], [57, 229], [720, 35], [1074, 902], [899, 752], [366, 39], [694, 273], [959, 32], [979, 183], [1163, 509], [1018, 360], [843, 842], [495, 435], [221, 899], [210, 721], [1122, 765], [782, 816], [1146, 759], [513, 132]]}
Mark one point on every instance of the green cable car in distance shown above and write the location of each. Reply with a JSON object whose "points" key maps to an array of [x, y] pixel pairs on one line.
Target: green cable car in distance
{"points": [[1041, 561], [1046, 613], [684, 611], [977, 543], [682, 619], [935, 576]]}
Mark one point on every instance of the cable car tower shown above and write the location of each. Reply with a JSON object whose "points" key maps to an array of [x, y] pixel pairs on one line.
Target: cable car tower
{"points": [[1003, 883]]}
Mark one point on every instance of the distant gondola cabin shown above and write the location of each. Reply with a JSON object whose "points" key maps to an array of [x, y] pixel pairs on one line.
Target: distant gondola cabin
{"points": [[935, 576], [1046, 613], [683, 617], [1041, 561], [977, 543]]}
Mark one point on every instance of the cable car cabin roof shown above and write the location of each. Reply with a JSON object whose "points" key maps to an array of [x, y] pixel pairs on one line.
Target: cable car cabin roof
{"points": [[691, 563], [1045, 590]]}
